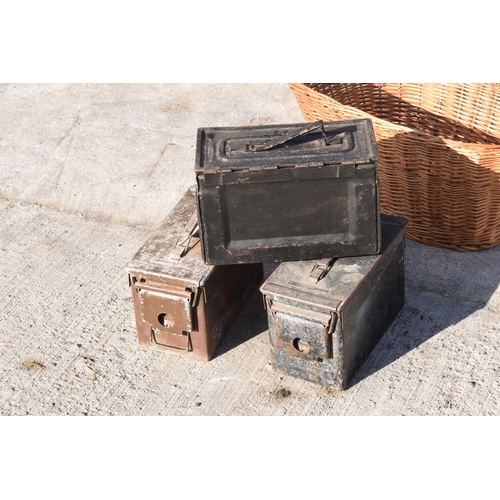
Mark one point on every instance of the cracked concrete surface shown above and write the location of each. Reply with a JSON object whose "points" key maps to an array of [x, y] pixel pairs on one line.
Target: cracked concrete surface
{"points": [[88, 171]]}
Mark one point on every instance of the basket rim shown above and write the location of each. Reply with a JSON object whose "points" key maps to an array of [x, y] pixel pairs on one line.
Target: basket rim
{"points": [[475, 146]]}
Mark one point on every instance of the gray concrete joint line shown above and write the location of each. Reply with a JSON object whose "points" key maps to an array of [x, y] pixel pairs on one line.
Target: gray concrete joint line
{"points": [[86, 216]]}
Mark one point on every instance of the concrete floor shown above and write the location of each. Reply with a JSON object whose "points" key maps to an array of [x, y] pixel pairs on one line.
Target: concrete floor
{"points": [[86, 174]]}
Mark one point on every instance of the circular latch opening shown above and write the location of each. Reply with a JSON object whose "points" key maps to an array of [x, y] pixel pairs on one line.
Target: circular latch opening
{"points": [[301, 345], [166, 320]]}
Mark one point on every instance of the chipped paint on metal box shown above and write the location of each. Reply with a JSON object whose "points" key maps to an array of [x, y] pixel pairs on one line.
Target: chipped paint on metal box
{"points": [[325, 317], [183, 305]]}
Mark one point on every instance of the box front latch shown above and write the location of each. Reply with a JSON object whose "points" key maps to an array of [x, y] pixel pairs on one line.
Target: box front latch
{"points": [[170, 316], [301, 341], [302, 333]]}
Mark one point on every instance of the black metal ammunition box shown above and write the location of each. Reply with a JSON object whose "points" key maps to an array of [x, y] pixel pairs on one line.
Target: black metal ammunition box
{"points": [[287, 192], [181, 304], [326, 317]]}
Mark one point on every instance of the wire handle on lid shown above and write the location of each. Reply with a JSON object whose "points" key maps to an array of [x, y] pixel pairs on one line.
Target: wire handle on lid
{"points": [[285, 138]]}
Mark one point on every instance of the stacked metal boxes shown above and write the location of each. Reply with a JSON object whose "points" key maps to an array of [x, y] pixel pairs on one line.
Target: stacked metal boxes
{"points": [[307, 196]]}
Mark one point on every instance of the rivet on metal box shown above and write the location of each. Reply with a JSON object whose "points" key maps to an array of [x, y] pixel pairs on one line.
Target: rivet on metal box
{"points": [[288, 192], [325, 317], [181, 304]]}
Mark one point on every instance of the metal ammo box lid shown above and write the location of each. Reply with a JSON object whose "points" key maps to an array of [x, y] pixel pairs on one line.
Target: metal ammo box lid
{"points": [[161, 253], [328, 284], [287, 192]]}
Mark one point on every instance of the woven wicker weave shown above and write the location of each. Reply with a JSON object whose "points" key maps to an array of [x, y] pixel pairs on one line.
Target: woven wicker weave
{"points": [[439, 147]]}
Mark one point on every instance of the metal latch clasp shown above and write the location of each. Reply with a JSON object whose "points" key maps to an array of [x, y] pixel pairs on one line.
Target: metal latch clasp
{"points": [[302, 333], [320, 270], [169, 314], [184, 240]]}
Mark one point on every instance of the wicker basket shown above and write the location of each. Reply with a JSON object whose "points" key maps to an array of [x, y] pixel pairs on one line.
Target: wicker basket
{"points": [[439, 148]]}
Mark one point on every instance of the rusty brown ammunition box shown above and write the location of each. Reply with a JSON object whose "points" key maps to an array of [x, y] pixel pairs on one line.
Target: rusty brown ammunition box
{"points": [[181, 304], [288, 192], [325, 317]]}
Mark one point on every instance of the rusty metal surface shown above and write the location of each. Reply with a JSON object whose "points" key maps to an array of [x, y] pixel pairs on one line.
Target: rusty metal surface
{"points": [[181, 304], [287, 192], [160, 254], [239, 148], [323, 325]]}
